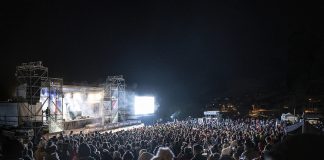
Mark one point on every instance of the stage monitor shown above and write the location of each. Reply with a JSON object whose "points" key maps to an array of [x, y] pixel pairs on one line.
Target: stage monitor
{"points": [[144, 105]]}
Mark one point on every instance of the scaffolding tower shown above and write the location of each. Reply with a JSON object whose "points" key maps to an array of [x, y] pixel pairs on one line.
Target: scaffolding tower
{"points": [[33, 79], [31, 75], [115, 99]]}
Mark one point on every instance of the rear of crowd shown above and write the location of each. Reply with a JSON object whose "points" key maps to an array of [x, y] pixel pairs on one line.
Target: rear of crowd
{"points": [[240, 139]]}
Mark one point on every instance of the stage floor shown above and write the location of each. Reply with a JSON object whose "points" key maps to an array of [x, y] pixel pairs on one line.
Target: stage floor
{"points": [[80, 123]]}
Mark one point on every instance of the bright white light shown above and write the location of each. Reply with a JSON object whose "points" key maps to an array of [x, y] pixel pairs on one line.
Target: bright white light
{"points": [[94, 97], [144, 105]]}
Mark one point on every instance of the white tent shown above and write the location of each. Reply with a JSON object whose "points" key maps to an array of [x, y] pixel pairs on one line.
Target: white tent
{"points": [[288, 117]]}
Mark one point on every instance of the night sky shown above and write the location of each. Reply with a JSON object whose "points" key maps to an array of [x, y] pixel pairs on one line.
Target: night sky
{"points": [[183, 52]]}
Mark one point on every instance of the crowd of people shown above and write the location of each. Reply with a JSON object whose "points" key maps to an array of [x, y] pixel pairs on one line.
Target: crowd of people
{"points": [[247, 139]]}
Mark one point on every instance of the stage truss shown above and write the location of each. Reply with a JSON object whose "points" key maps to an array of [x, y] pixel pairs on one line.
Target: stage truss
{"points": [[114, 109], [32, 77], [54, 100]]}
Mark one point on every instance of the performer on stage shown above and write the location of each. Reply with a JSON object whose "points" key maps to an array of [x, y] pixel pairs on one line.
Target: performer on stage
{"points": [[47, 113]]}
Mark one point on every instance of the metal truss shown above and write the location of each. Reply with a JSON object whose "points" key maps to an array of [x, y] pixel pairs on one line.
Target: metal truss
{"points": [[115, 95], [32, 74], [54, 100], [34, 77]]}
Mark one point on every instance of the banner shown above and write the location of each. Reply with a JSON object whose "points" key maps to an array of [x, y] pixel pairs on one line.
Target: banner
{"points": [[200, 121], [114, 104], [210, 113]]}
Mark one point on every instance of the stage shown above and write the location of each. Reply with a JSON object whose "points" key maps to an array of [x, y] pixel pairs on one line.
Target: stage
{"points": [[80, 123]]}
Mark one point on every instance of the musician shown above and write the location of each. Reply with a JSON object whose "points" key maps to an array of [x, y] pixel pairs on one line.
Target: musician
{"points": [[47, 113]]}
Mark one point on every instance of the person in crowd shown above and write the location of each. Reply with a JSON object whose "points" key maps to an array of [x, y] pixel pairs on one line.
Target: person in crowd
{"points": [[238, 150], [197, 151], [84, 151], [249, 152], [116, 156], [106, 155], [227, 150], [128, 155], [268, 141], [12, 148], [40, 153], [186, 154], [214, 156], [30, 153], [145, 156], [164, 153], [52, 152]]}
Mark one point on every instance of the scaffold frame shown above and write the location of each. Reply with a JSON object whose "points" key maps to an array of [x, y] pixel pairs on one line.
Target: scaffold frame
{"points": [[115, 95], [33, 76]]}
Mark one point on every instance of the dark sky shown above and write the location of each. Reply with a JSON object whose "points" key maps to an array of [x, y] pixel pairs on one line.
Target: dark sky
{"points": [[183, 52]]}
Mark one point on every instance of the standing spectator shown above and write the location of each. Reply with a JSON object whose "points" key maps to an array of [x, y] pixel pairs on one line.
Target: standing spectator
{"points": [[164, 153], [227, 150], [84, 151], [117, 156], [40, 152], [187, 154], [128, 155], [197, 151], [145, 156], [249, 151]]}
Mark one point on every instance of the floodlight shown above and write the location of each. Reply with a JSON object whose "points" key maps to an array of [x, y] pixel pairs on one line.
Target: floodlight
{"points": [[144, 105]]}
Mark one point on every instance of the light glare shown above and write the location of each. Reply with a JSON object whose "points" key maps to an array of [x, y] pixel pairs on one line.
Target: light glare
{"points": [[144, 105]]}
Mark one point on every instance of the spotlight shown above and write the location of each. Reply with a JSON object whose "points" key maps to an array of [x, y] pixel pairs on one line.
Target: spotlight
{"points": [[144, 105]]}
